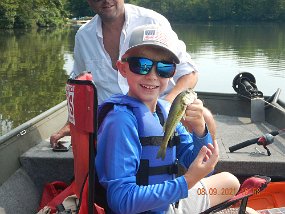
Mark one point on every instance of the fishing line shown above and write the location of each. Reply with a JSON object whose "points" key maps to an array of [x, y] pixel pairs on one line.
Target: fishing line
{"points": [[274, 106], [277, 107], [280, 131]]}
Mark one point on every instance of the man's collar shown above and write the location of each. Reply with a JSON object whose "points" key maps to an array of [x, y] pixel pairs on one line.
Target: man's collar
{"points": [[127, 17], [99, 26]]}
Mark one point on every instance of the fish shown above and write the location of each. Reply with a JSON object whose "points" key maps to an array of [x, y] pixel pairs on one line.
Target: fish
{"points": [[176, 112]]}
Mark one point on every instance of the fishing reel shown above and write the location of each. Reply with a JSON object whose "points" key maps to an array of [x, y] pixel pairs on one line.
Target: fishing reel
{"points": [[264, 141], [245, 85]]}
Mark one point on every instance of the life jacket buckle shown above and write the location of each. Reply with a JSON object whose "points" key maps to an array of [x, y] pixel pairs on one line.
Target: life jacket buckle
{"points": [[173, 169]]}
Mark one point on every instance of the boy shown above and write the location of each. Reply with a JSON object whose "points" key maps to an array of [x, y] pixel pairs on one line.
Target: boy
{"points": [[101, 42], [128, 139]]}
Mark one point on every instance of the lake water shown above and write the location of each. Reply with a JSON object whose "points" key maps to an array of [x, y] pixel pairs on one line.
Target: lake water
{"points": [[34, 65], [224, 50]]}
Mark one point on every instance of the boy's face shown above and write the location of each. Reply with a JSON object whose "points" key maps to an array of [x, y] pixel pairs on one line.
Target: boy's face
{"points": [[146, 88]]}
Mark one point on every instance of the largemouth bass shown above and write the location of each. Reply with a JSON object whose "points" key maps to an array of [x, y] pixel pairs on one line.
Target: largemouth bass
{"points": [[176, 112]]}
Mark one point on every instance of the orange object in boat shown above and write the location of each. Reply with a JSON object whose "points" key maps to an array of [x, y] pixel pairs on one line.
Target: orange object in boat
{"points": [[271, 197]]}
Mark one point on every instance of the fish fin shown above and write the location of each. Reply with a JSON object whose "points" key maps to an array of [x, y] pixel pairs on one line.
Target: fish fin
{"points": [[161, 153]]}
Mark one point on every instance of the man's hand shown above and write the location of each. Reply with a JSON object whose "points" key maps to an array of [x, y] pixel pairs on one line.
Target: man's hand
{"points": [[64, 131], [54, 139]]}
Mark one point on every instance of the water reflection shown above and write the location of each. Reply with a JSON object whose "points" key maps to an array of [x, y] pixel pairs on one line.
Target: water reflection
{"points": [[32, 77], [224, 50], [34, 64]]}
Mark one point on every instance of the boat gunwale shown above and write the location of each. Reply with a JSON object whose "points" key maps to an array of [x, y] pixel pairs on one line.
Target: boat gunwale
{"points": [[22, 138], [19, 130]]}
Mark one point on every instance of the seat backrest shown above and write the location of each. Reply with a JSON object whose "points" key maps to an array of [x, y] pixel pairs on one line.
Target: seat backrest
{"points": [[82, 115]]}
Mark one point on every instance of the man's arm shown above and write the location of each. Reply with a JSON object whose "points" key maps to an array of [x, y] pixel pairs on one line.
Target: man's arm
{"points": [[64, 131], [184, 82]]}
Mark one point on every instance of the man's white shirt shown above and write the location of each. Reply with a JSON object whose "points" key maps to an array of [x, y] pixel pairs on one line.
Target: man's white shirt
{"points": [[91, 56]]}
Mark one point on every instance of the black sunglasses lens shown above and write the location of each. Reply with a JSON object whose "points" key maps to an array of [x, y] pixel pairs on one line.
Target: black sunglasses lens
{"points": [[165, 69], [140, 65], [143, 66]]}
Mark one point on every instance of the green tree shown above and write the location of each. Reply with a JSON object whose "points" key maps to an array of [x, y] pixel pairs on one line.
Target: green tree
{"points": [[79, 8], [8, 11], [31, 13], [220, 9]]}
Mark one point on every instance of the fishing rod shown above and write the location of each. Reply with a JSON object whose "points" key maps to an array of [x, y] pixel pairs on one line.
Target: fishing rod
{"points": [[245, 85], [264, 141]]}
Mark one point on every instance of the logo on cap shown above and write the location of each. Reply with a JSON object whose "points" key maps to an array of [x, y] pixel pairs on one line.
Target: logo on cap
{"points": [[154, 35]]}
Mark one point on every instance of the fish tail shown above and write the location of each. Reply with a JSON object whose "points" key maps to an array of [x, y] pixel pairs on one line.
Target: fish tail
{"points": [[161, 153]]}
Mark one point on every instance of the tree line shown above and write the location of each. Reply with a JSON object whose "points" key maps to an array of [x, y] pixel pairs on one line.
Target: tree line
{"points": [[50, 13], [218, 10]]}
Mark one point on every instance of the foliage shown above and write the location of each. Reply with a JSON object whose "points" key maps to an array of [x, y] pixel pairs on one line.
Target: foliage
{"points": [[45, 13], [8, 11], [79, 8], [217, 10], [31, 13]]}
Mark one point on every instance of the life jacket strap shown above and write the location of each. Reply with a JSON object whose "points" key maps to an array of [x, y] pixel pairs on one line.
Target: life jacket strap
{"points": [[157, 140], [145, 171]]}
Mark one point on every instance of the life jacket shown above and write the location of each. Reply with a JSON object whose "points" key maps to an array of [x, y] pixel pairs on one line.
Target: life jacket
{"points": [[150, 131]]}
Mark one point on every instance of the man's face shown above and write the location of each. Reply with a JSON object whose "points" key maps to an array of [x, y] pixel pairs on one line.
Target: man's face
{"points": [[107, 9]]}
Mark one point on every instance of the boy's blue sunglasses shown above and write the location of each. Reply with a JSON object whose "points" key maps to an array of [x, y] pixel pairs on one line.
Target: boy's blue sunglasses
{"points": [[143, 66]]}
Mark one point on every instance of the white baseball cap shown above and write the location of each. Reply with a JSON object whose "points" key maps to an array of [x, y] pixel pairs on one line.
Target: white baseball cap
{"points": [[153, 35]]}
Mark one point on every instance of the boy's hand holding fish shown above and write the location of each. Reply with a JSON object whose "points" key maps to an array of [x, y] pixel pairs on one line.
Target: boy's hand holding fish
{"points": [[187, 106], [176, 113], [194, 117]]}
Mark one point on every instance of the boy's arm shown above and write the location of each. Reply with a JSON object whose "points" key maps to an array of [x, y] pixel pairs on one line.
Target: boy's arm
{"points": [[190, 145]]}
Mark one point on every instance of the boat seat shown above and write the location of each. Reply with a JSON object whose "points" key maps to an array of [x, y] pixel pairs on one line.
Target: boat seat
{"points": [[19, 194], [43, 165], [82, 115]]}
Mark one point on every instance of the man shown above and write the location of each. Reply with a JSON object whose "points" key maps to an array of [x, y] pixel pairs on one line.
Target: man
{"points": [[102, 41]]}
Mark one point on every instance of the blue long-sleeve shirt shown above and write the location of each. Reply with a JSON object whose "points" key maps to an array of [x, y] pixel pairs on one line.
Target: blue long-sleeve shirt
{"points": [[118, 159]]}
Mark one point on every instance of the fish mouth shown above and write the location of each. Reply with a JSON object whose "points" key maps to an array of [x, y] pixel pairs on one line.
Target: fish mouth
{"points": [[149, 87]]}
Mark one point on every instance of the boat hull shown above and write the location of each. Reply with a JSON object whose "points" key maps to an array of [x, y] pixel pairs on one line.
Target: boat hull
{"points": [[28, 161], [27, 135]]}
